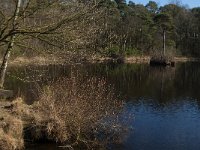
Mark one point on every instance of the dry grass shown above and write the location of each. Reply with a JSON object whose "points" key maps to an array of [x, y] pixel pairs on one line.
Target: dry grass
{"points": [[11, 128], [37, 60], [77, 111]]}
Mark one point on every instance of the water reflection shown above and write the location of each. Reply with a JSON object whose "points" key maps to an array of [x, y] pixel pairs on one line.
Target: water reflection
{"points": [[161, 84], [173, 127], [165, 101]]}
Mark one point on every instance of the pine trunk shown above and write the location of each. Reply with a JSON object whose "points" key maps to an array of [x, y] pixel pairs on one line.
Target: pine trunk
{"points": [[164, 39]]}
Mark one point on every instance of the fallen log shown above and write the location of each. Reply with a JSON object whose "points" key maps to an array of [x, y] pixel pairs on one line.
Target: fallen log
{"points": [[5, 94]]}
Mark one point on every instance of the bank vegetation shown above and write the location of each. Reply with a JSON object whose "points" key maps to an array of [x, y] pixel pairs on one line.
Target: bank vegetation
{"points": [[73, 112]]}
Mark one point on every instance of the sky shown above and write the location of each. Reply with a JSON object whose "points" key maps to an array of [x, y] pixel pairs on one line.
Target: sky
{"points": [[189, 3]]}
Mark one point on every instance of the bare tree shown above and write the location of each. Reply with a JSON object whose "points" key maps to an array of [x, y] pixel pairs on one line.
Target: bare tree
{"points": [[10, 44], [42, 21]]}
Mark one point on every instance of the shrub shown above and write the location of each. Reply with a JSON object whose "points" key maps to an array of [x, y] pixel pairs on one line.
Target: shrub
{"points": [[133, 51], [113, 51], [78, 111]]}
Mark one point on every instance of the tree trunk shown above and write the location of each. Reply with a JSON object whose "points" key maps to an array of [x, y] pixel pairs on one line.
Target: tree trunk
{"points": [[5, 61], [10, 46], [164, 39]]}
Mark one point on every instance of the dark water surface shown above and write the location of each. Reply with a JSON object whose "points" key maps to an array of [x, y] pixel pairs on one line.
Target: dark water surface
{"points": [[165, 101]]}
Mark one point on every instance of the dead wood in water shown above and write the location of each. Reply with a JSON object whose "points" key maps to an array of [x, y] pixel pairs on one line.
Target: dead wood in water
{"points": [[162, 61]]}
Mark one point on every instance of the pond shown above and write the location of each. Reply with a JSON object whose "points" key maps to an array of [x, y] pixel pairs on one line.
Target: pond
{"points": [[165, 101]]}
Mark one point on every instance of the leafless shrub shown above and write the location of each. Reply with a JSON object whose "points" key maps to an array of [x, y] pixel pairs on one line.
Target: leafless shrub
{"points": [[78, 111]]}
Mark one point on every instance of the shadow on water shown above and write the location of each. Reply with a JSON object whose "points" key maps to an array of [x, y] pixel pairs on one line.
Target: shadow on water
{"points": [[165, 101]]}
